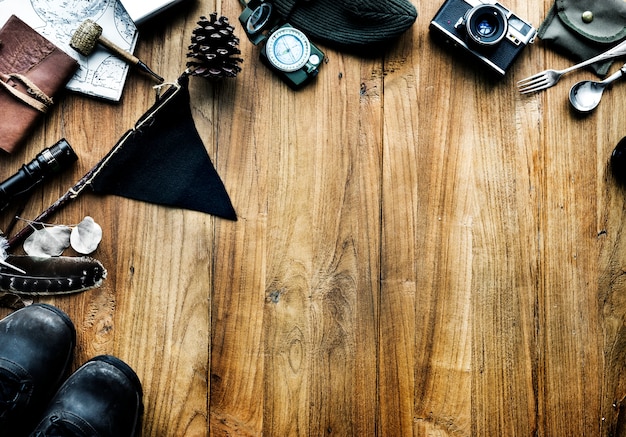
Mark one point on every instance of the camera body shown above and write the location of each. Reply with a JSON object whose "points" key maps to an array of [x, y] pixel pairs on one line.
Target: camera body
{"points": [[488, 32], [285, 50]]}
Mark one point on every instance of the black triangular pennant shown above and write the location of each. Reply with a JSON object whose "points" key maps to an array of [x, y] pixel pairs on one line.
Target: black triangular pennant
{"points": [[165, 162]]}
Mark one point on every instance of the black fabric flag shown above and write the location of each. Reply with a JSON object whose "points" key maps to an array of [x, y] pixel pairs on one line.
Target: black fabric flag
{"points": [[164, 161]]}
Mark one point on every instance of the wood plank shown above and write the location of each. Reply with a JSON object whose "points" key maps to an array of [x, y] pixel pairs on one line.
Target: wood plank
{"points": [[420, 250]]}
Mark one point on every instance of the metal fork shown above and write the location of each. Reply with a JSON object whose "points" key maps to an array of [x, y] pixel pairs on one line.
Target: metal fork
{"points": [[548, 78]]}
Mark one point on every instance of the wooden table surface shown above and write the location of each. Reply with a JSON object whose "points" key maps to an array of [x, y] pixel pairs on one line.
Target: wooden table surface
{"points": [[420, 250]]}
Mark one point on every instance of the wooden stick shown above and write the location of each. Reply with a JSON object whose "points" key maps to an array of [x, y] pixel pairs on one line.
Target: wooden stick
{"points": [[69, 195], [87, 179]]}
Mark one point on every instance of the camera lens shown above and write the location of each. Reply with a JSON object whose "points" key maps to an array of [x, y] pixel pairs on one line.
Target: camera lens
{"points": [[486, 25]]}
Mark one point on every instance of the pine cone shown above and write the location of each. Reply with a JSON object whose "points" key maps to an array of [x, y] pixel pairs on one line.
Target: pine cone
{"points": [[213, 49]]}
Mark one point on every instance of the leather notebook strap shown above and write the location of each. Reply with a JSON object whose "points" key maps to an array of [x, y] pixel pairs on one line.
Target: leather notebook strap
{"points": [[33, 96]]}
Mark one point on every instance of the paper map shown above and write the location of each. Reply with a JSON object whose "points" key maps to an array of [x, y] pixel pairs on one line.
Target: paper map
{"points": [[101, 74]]}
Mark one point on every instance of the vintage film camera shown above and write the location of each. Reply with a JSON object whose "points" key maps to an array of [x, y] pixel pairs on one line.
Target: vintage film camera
{"points": [[486, 31], [286, 50]]}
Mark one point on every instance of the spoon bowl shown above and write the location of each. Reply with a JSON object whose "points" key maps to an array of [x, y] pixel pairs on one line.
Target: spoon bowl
{"points": [[585, 96]]}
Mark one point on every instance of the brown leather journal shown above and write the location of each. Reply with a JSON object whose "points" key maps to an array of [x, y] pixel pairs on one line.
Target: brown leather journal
{"points": [[32, 71]]}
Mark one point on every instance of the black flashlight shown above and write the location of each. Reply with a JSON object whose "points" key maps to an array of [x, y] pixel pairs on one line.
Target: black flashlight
{"points": [[48, 162]]}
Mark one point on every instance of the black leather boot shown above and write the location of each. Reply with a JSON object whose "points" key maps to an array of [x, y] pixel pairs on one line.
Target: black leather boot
{"points": [[36, 349], [103, 398]]}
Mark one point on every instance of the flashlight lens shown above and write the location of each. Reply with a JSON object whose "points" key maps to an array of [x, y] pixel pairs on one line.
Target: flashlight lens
{"points": [[48, 162], [57, 157]]}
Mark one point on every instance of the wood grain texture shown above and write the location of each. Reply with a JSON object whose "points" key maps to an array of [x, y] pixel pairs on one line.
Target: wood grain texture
{"points": [[419, 250]]}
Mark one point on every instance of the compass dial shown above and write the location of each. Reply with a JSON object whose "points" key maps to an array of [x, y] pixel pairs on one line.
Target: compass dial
{"points": [[288, 49]]}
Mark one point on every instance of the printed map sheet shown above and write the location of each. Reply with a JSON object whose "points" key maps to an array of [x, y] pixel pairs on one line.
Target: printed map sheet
{"points": [[101, 74]]}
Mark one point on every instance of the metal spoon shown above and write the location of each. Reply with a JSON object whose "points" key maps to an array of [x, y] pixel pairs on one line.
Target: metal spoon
{"points": [[585, 95]]}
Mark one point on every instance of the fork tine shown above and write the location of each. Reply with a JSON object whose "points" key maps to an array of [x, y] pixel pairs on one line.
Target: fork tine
{"points": [[536, 82], [536, 87], [532, 78], [532, 83]]}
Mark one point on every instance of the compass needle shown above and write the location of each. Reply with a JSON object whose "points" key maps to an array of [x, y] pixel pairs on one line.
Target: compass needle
{"points": [[288, 49]]}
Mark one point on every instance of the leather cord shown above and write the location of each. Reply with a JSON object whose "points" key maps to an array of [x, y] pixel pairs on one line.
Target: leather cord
{"points": [[33, 97]]}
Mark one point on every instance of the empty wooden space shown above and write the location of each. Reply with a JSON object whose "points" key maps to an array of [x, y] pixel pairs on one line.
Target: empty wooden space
{"points": [[420, 250]]}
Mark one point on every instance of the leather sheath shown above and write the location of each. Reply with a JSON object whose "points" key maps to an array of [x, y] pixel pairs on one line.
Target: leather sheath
{"points": [[36, 70]]}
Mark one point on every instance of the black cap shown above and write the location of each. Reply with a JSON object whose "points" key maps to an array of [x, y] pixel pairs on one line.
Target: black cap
{"points": [[355, 26]]}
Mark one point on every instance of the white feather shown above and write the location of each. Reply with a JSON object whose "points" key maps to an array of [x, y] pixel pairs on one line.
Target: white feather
{"points": [[4, 245]]}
